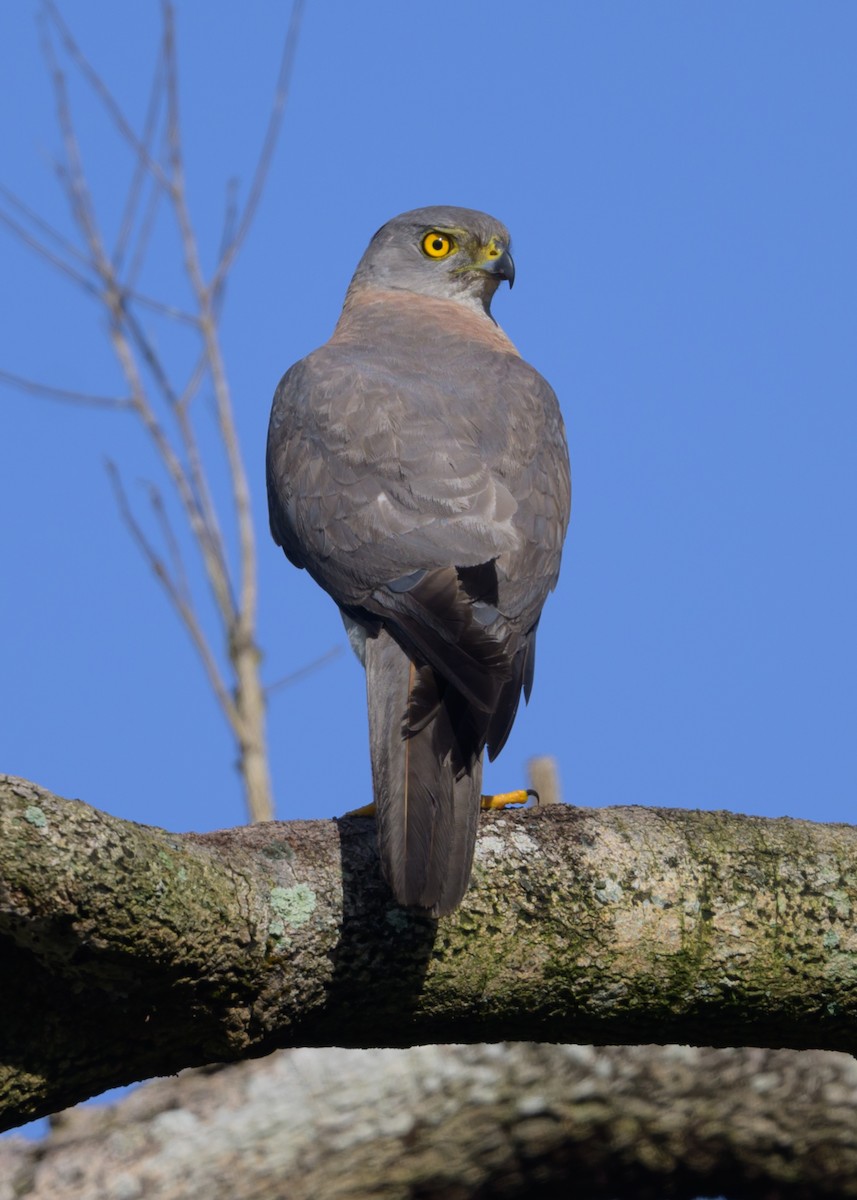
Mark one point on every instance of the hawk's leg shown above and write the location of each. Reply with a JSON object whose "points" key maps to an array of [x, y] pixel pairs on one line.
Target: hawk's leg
{"points": [[504, 799], [489, 803]]}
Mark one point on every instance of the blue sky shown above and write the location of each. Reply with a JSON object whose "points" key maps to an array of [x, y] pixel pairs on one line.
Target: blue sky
{"points": [[680, 185]]}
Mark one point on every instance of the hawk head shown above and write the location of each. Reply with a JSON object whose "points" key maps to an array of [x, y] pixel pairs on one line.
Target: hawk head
{"points": [[449, 253]]}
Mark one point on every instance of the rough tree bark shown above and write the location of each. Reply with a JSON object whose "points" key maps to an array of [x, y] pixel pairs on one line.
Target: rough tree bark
{"points": [[447, 1122], [136, 952]]}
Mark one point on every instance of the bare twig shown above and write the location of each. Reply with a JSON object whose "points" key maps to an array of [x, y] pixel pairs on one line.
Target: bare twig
{"points": [[159, 306], [242, 645], [74, 178], [122, 319], [209, 544], [86, 399], [40, 223], [153, 387], [269, 143], [102, 91], [83, 210], [309, 668], [174, 592], [147, 225], [140, 167], [42, 250], [230, 216], [168, 533]]}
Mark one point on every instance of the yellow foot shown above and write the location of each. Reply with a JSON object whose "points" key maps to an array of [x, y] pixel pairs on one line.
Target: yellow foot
{"points": [[368, 810], [504, 799], [489, 803]]}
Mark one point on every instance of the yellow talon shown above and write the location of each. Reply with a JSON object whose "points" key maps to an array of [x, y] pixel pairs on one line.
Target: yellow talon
{"points": [[489, 803], [504, 799]]}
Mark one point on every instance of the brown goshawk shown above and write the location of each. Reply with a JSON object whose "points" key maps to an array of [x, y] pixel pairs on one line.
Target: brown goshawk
{"points": [[417, 469]]}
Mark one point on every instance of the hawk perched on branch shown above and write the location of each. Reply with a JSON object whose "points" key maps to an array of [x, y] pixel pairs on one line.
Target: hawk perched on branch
{"points": [[417, 468]]}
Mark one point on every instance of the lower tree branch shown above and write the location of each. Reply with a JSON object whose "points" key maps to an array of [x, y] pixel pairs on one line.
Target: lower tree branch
{"points": [[132, 952], [442, 1122]]}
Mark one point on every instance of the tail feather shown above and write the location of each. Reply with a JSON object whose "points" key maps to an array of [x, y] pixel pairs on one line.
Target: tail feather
{"points": [[427, 778]]}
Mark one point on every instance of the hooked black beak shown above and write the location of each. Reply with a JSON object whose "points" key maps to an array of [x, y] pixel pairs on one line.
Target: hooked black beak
{"points": [[502, 267]]}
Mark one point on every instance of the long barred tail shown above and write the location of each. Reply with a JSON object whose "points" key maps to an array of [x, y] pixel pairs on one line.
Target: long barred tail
{"points": [[427, 778]]}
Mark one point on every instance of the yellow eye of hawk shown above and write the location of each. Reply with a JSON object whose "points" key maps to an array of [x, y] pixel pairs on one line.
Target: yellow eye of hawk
{"points": [[438, 245]]}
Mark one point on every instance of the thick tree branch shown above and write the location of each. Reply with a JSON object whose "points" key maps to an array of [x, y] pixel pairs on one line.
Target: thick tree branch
{"points": [[642, 1122], [136, 952]]}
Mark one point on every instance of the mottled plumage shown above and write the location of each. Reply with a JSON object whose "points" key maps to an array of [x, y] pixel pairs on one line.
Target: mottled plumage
{"points": [[417, 468]]}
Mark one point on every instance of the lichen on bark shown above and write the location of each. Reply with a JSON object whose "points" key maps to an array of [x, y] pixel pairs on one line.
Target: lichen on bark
{"points": [[136, 952]]}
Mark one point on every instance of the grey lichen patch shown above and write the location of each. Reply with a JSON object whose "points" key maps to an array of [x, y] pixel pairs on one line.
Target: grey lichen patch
{"points": [[840, 902], [279, 851], [293, 906], [523, 843], [35, 816], [608, 891], [490, 847], [277, 934]]}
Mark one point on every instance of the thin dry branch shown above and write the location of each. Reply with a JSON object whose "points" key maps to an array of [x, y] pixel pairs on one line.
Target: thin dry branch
{"points": [[244, 653], [159, 509], [48, 255], [192, 483], [102, 91], [147, 226], [230, 216], [141, 168], [73, 177], [269, 143], [173, 588], [159, 306], [66, 395], [41, 224], [151, 382], [309, 668], [207, 539], [147, 352], [83, 211]]}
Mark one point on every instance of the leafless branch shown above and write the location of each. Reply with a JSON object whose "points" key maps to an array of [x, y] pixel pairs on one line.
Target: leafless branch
{"points": [[203, 516], [41, 224], [140, 167], [42, 250], [170, 540], [87, 399], [209, 544], [268, 145], [242, 634], [159, 306], [83, 210], [102, 91], [302, 672], [76, 188], [174, 591], [230, 216], [147, 225], [153, 386]]}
